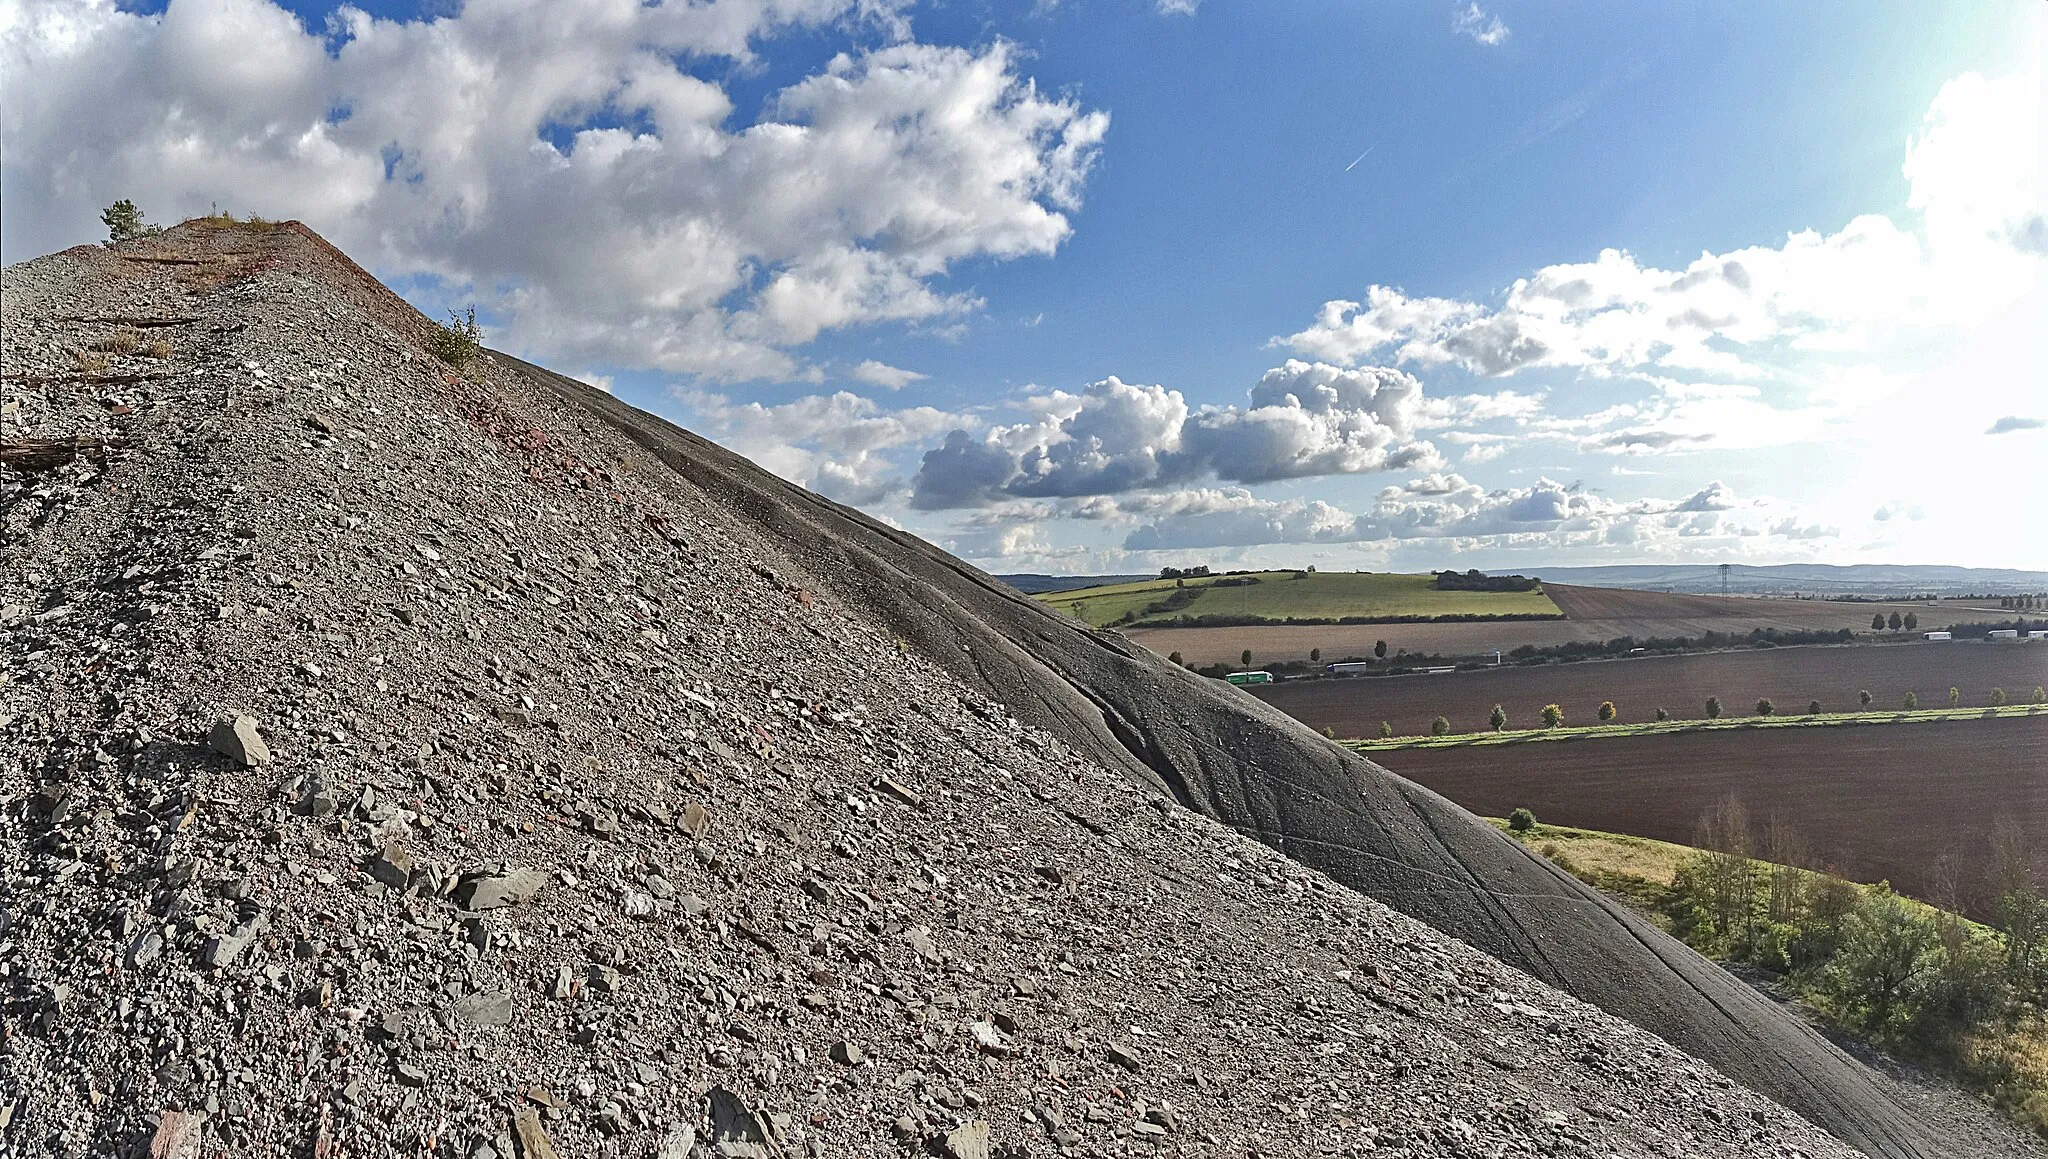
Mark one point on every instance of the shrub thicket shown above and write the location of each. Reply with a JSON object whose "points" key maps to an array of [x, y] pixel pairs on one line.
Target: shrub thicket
{"points": [[1918, 979]]}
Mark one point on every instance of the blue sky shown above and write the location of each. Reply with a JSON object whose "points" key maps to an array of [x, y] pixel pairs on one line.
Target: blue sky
{"points": [[1068, 241]]}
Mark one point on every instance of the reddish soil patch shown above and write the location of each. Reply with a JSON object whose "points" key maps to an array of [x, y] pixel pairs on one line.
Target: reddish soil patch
{"points": [[1876, 801], [1594, 614], [1788, 677]]}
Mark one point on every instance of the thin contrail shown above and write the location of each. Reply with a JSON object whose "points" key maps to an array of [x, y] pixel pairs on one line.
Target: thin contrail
{"points": [[1360, 157]]}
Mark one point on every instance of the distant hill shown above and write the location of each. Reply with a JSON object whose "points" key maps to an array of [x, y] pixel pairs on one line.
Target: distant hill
{"points": [[1804, 578], [1705, 579], [1031, 583]]}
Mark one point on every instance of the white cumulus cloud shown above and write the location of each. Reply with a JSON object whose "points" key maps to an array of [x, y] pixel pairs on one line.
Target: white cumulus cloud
{"points": [[1767, 344], [836, 444], [557, 162], [887, 377], [1304, 419]]}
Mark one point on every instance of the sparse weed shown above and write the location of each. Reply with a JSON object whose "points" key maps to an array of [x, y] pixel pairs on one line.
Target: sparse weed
{"points": [[86, 362], [158, 348], [126, 340], [457, 340]]}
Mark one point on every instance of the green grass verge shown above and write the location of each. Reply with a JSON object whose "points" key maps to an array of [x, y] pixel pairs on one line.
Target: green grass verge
{"points": [[1660, 727], [1281, 595]]}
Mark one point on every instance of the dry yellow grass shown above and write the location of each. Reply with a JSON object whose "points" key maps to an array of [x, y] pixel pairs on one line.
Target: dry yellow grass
{"points": [[1640, 857], [126, 340]]}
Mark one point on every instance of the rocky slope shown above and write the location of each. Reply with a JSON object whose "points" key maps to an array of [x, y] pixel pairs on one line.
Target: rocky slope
{"points": [[398, 762]]}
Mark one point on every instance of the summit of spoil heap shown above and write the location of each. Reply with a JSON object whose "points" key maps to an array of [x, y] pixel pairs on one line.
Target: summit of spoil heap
{"points": [[404, 761]]}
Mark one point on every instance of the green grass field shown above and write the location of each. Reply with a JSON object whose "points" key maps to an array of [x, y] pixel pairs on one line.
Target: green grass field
{"points": [[1656, 727], [1284, 595]]}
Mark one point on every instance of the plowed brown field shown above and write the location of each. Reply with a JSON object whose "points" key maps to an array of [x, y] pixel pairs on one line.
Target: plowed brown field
{"points": [[1789, 677], [1592, 614], [1876, 801]]}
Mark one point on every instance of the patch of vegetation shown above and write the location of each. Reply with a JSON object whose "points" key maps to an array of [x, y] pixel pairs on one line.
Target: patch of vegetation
{"points": [[124, 340], [1919, 980], [458, 340], [1478, 581], [125, 222], [1573, 650]]}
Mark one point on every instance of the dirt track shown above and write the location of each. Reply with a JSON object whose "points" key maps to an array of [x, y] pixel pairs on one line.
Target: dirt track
{"points": [[1876, 801], [1594, 614], [1789, 677]]}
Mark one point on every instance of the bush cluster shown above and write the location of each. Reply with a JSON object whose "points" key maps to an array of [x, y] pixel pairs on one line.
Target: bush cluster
{"points": [[1478, 581], [1905, 974]]}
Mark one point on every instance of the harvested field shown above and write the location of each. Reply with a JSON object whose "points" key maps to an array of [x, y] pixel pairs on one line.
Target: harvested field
{"points": [[1591, 614], [1281, 595], [1875, 802], [1788, 677]]}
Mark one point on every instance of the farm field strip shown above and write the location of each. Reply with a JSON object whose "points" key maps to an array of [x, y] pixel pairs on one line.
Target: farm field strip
{"points": [[1278, 595], [1592, 614], [1875, 803], [1789, 677], [1655, 728]]}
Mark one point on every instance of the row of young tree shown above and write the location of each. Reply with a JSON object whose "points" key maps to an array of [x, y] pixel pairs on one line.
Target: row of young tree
{"points": [[1553, 715], [1904, 973]]}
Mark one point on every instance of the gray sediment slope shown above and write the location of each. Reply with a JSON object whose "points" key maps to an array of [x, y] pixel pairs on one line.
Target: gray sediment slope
{"points": [[615, 797]]}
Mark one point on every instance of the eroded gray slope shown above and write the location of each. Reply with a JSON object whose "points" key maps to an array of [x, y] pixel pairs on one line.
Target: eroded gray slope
{"points": [[1233, 758], [582, 823]]}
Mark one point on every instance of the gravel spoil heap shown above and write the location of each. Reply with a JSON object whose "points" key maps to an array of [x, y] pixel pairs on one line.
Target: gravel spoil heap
{"points": [[398, 761]]}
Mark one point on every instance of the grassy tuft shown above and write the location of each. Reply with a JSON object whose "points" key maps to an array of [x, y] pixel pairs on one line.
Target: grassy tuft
{"points": [[126, 340]]}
